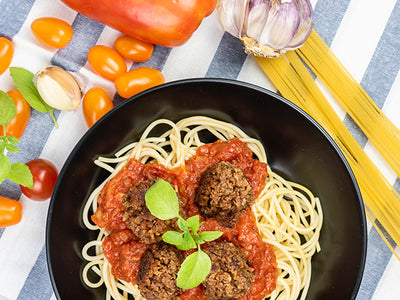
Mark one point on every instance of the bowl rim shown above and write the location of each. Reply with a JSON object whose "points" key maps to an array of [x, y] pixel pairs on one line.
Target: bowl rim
{"points": [[228, 82]]}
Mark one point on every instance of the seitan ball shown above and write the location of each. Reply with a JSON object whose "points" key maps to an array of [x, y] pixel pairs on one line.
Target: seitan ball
{"points": [[224, 193], [159, 266], [138, 217], [230, 277]]}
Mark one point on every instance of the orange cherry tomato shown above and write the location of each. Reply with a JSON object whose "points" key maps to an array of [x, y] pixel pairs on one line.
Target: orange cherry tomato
{"points": [[17, 125], [10, 212], [6, 54], [133, 49], [107, 62], [96, 104], [52, 32], [138, 80]]}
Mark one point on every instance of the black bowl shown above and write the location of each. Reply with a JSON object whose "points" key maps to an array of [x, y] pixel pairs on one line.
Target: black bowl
{"points": [[297, 148]]}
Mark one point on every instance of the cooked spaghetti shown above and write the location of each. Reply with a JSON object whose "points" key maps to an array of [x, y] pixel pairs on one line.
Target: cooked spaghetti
{"points": [[288, 216]]}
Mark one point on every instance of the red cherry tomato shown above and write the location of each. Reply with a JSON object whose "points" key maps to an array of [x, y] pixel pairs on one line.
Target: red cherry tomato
{"points": [[133, 49], [96, 104], [6, 54], [44, 178], [10, 212], [107, 62], [17, 125], [52, 32], [138, 80]]}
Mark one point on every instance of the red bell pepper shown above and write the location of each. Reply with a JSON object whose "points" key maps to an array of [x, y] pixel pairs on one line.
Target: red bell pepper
{"points": [[167, 23]]}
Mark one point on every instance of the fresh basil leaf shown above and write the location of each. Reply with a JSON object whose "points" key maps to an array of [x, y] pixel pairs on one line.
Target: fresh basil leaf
{"points": [[5, 167], [194, 222], [209, 236], [197, 239], [23, 79], [13, 140], [11, 148], [187, 242], [194, 270], [162, 201], [8, 109], [21, 174], [173, 238], [183, 225], [2, 147]]}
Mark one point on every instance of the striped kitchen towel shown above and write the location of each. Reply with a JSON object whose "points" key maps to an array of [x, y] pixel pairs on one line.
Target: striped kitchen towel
{"points": [[364, 34]]}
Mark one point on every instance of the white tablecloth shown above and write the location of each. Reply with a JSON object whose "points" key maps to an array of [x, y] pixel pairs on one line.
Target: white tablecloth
{"points": [[364, 34]]}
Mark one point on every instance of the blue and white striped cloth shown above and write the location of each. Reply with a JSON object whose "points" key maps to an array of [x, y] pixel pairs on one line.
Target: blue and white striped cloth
{"points": [[364, 34]]}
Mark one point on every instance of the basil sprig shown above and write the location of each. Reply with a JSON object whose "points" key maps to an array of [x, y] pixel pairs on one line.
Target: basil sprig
{"points": [[17, 172], [163, 203]]}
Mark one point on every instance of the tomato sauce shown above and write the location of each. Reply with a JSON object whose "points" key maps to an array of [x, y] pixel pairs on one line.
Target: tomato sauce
{"points": [[123, 252], [121, 247]]}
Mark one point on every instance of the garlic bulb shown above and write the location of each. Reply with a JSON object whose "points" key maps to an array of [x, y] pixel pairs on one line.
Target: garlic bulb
{"points": [[58, 88], [267, 28]]}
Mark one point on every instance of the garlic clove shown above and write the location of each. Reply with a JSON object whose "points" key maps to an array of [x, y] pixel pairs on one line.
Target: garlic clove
{"points": [[256, 18], [281, 26], [267, 28], [58, 88], [305, 26], [232, 16]]}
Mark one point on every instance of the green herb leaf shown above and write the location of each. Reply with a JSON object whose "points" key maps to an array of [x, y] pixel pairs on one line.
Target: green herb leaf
{"points": [[8, 109], [187, 242], [162, 201], [23, 79], [5, 167], [194, 222], [209, 236], [197, 239], [182, 224], [173, 238], [21, 174], [13, 140], [2, 147], [194, 270], [11, 148]]}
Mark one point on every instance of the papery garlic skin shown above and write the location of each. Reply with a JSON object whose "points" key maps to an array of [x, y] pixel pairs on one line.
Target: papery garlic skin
{"points": [[268, 28], [59, 88]]}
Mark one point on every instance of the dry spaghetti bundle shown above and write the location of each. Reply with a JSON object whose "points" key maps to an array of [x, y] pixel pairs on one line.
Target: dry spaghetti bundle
{"points": [[292, 79]]}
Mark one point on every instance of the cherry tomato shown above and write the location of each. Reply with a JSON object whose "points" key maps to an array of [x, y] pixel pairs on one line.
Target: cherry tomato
{"points": [[107, 62], [10, 211], [17, 125], [44, 178], [138, 80], [6, 54], [133, 49], [95, 104], [52, 32]]}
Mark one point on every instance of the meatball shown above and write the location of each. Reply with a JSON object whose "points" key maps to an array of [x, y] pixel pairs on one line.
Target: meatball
{"points": [[143, 224], [156, 277], [224, 193], [230, 277]]}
